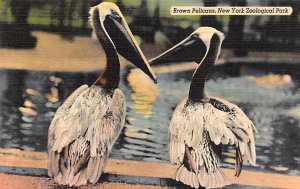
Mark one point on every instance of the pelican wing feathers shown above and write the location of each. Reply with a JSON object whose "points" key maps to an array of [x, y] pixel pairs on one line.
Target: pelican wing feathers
{"points": [[200, 128], [82, 134]]}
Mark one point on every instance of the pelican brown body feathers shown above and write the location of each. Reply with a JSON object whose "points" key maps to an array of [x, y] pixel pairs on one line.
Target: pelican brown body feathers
{"points": [[87, 124], [82, 134], [200, 124]]}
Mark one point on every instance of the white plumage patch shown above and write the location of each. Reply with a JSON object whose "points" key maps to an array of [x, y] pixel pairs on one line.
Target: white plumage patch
{"points": [[194, 125], [82, 134]]}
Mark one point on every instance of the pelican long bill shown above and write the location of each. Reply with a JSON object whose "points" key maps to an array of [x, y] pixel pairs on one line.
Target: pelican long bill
{"points": [[125, 43], [188, 50]]}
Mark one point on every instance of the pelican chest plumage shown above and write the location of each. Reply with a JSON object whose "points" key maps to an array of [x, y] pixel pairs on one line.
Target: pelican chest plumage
{"points": [[88, 123], [200, 124]]}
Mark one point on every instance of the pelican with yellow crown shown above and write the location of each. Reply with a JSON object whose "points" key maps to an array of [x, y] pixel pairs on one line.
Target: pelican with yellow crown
{"points": [[87, 124], [201, 124]]}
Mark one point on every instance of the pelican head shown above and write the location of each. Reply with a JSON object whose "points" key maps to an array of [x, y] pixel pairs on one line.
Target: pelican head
{"points": [[193, 48], [111, 28]]}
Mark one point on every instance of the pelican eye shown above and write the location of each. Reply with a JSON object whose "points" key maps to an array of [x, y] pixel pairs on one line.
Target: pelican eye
{"points": [[194, 36], [116, 16]]}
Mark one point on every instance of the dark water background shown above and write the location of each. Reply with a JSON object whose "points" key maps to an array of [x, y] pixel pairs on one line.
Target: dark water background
{"points": [[29, 99]]}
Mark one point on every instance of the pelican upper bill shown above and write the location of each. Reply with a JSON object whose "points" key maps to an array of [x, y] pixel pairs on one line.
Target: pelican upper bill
{"points": [[191, 49]]}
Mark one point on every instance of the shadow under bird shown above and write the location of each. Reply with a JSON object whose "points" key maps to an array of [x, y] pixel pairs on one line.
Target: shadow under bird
{"points": [[87, 124], [201, 124]]}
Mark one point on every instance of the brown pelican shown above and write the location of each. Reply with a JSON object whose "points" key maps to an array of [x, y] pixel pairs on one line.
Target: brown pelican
{"points": [[200, 124], [88, 123]]}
